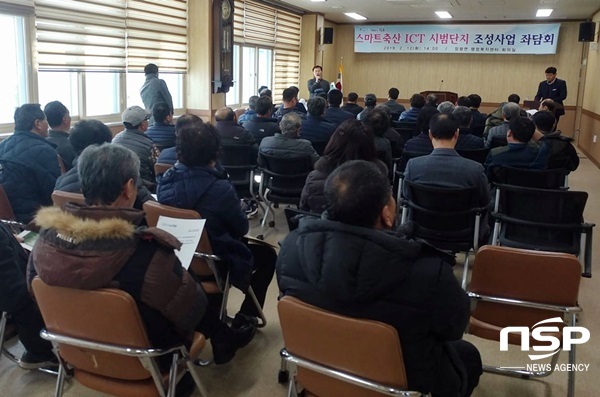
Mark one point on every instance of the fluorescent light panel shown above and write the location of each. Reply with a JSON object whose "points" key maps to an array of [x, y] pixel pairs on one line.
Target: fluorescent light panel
{"points": [[356, 16], [543, 12], [444, 14], [318, 1]]}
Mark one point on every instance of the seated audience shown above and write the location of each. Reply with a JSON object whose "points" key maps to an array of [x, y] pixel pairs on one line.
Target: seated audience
{"points": [[466, 141], [352, 140], [396, 140], [230, 132], [262, 124], [59, 120], [86, 133], [444, 167], [351, 105], [416, 104], [495, 118], [315, 128], [379, 122], [135, 120], [509, 111], [169, 155], [422, 143], [194, 183], [370, 103], [162, 132], [100, 245], [478, 123], [395, 107], [28, 163], [300, 103], [250, 112], [333, 113], [348, 262], [518, 153], [446, 107], [16, 301], [561, 153], [290, 99], [288, 143], [463, 101]]}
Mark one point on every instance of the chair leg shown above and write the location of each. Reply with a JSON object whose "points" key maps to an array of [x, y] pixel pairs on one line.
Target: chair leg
{"points": [[292, 392], [60, 382], [226, 288], [284, 374], [172, 386], [465, 271], [152, 367], [572, 356], [3, 322], [261, 314], [193, 371], [496, 232]]}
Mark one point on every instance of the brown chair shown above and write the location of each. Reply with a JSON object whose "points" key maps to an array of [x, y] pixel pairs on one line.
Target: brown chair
{"points": [[516, 287], [161, 168], [336, 355], [61, 164], [6, 211], [205, 263], [61, 198], [100, 334]]}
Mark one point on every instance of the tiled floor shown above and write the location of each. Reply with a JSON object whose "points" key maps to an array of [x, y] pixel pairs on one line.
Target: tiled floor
{"points": [[254, 370]]}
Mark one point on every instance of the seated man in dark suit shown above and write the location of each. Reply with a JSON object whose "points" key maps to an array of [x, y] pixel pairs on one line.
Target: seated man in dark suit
{"points": [[262, 124], [561, 153], [315, 128], [351, 105], [162, 132], [288, 143], [518, 153], [465, 139], [348, 262], [421, 143], [444, 167], [230, 132], [334, 114], [478, 124]]}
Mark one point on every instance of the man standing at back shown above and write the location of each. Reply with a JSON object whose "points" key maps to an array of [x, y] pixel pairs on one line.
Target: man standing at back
{"points": [[28, 163], [154, 89], [59, 121], [348, 262]]}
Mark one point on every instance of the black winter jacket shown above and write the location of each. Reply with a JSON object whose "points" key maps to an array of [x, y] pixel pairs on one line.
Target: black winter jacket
{"points": [[373, 274]]}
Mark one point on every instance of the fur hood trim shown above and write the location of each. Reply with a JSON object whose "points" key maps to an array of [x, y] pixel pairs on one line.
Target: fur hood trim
{"points": [[83, 229]]}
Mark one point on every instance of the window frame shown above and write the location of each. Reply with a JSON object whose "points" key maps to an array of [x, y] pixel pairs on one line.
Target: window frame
{"points": [[238, 86]]}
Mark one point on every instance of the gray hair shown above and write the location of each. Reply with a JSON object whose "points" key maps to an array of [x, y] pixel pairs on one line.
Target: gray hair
{"points": [[385, 108], [463, 115], [446, 107], [290, 123], [104, 170], [511, 110]]}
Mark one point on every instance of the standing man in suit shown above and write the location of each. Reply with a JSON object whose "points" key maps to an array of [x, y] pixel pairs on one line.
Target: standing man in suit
{"points": [[555, 89], [317, 85], [444, 167]]}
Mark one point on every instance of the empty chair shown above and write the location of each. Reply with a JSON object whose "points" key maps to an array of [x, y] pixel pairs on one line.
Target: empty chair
{"points": [[545, 220], [282, 180], [478, 155], [405, 129], [101, 335], [322, 346], [447, 218], [60, 198], [542, 179], [514, 287]]}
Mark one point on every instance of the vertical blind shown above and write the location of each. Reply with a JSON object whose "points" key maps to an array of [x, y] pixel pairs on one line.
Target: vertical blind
{"points": [[265, 26], [111, 35]]}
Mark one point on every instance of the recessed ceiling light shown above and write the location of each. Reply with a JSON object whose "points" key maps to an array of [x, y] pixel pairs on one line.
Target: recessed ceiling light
{"points": [[444, 14], [356, 16], [337, 7], [543, 12], [318, 1]]}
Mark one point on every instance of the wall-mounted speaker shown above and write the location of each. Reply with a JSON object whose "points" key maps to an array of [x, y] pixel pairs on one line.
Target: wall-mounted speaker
{"points": [[587, 31], [328, 36]]}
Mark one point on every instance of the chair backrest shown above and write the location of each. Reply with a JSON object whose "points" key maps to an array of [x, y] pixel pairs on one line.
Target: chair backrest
{"points": [[239, 111], [61, 164], [534, 276], [365, 348], [106, 316], [154, 210], [59, 198], [478, 155], [443, 215], [6, 211], [237, 156], [407, 155], [533, 178], [293, 216], [285, 175], [320, 147], [497, 141], [161, 168], [540, 208]]}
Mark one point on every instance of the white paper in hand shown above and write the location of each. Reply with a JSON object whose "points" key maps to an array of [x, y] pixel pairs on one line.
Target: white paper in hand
{"points": [[187, 231]]}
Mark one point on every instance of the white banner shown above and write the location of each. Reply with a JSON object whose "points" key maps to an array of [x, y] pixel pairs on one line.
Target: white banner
{"points": [[469, 39]]}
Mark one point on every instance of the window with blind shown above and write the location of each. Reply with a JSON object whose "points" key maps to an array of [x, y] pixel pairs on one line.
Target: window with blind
{"points": [[263, 27], [102, 46]]}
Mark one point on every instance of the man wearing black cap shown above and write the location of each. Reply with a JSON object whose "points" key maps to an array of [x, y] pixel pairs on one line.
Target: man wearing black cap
{"points": [[135, 120]]}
